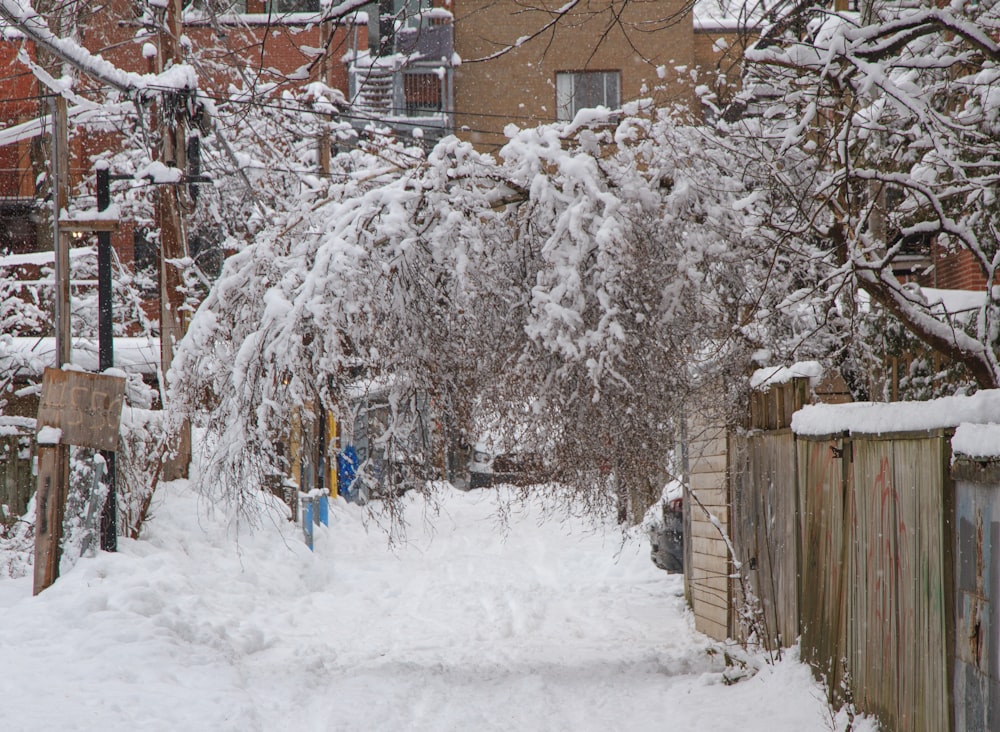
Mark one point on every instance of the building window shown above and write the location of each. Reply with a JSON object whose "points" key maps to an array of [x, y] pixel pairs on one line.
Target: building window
{"points": [[207, 254], [576, 90], [422, 93], [293, 6], [18, 226], [276, 7]]}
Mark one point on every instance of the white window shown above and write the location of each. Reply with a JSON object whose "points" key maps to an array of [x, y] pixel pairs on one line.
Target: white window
{"points": [[576, 90]]}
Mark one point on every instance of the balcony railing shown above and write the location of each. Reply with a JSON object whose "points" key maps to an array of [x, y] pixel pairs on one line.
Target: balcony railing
{"points": [[411, 88]]}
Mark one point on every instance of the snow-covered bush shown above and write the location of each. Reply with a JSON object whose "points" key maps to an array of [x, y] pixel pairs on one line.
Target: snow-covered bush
{"points": [[596, 274]]}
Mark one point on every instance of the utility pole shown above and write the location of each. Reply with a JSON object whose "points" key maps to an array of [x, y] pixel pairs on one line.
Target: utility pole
{"points": [[106, 355], [323, 144], [53, 458], [60, 239], [173, 246]]}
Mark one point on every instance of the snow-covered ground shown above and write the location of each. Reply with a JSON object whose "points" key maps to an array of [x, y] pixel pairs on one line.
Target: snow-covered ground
{"points": [[553, 626]]}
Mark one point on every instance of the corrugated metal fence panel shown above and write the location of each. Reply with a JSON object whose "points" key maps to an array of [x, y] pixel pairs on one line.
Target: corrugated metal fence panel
{"points": [[822, 598], [977, 599], [765, 531], [896, 590], [16, 480]]}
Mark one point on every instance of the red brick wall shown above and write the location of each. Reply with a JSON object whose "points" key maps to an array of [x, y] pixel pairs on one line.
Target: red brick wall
{"points": [[18, 103], [957, 270]]}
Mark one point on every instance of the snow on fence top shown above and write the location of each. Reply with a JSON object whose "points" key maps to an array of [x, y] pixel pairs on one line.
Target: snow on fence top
{"points": [[871, 418], [765, 378], [976, 441]]}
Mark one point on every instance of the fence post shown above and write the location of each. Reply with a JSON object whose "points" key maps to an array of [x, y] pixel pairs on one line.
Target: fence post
{"points": [[324, 508], [307, 519]]}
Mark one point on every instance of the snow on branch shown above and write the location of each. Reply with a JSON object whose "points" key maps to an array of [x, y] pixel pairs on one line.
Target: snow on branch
{"points": [[22, 16]]}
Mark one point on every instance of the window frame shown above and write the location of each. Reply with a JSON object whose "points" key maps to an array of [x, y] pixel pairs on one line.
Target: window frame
{"points": [[570, 99]]}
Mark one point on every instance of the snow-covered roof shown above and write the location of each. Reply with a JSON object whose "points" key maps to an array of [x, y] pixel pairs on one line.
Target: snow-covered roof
{"points": [[871, 418], [30, 356], [41, 258], [954, 301], [730, 15], [765, 378]]}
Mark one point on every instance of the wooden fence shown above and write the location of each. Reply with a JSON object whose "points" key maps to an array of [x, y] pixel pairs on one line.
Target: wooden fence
{"points": [[847, 542], [762, 486], [876, 576]]}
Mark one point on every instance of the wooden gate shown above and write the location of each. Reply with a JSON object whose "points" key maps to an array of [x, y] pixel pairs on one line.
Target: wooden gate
{"points": [[876, 588]]}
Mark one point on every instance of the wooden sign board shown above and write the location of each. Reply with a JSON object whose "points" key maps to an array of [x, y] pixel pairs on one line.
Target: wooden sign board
{"points": [[87, 408]]}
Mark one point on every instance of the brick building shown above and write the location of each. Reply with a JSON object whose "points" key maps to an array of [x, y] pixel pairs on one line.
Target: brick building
{"points": [[518, 68]]}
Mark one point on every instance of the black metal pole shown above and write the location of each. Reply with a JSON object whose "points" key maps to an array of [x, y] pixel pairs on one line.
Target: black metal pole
{"points": [[106, 356]]}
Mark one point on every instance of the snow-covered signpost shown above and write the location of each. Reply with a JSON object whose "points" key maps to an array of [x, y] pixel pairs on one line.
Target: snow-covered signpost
{"points": [[77, 408]]}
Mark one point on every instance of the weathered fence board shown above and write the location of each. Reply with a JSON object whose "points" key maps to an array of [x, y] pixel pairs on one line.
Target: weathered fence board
{"points": [[822, 481], [765, 533]]}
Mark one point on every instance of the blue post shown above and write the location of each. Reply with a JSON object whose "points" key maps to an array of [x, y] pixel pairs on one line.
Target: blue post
{"points": [[324, 510], [307, 520]]}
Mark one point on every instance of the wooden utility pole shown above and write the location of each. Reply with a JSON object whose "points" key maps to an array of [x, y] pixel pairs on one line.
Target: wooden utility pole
{"points": [[173, 246], [53, 457], [323, 144], [60, 238]]}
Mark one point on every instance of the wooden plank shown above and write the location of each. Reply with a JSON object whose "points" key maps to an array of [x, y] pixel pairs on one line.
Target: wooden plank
{"points": [[710, 575], [716, 576], [875, 621], [708, 481], [711, 594], [709, 486], [86, 407], [709, 464], [709, 546], [710, 628], [714, 504], [50, 506], [705, 529], [720, 512], [699, 434], [717, 573], [713, 614], [924, 684]]}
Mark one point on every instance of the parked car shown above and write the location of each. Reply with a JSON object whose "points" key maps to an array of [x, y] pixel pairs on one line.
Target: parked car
{"points": [[513, 468], [666, 536]]}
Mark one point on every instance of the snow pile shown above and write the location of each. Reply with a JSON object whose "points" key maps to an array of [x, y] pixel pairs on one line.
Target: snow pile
{"points": [[555, 626], [873, 418]]}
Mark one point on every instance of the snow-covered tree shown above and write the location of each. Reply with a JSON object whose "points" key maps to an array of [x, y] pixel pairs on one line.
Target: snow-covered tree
{"points": [[873, 137], [579, 289]]}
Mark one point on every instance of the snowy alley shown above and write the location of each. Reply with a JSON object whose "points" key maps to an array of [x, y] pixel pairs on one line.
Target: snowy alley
{"points": [[550, 626]]}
